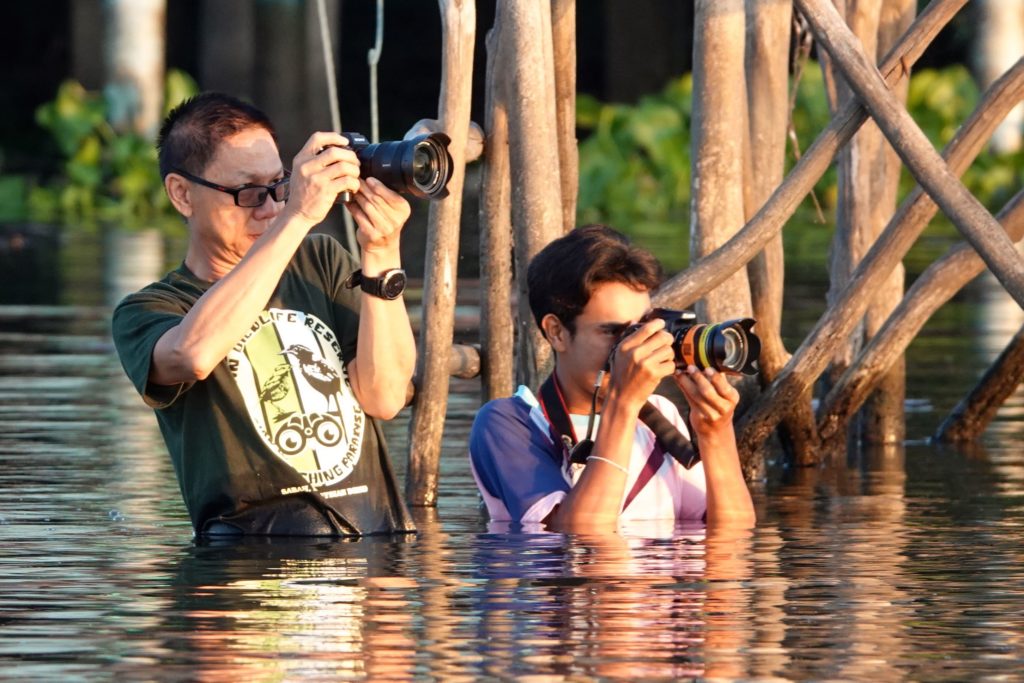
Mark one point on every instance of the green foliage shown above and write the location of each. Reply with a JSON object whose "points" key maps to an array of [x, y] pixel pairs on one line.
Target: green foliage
{"points": [[635, 162], [105, 175]]}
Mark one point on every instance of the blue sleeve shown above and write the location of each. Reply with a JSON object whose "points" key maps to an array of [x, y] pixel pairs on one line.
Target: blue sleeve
{"points": [[514, 460]]}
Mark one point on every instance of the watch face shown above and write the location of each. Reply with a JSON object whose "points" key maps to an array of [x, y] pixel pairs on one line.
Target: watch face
{"points": [[394, 285]]}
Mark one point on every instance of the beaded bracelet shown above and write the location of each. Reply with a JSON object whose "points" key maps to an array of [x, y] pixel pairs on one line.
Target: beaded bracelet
{"points": [[616, 465]]}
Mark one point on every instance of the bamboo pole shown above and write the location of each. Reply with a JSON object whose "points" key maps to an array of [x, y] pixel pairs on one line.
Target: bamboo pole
{"points": [[921, 159], [563, 26], [813, 355], [934, 287], [458, 19], [719, 111], [496, 311], [970, 417], [688, 286], [533, 155]]}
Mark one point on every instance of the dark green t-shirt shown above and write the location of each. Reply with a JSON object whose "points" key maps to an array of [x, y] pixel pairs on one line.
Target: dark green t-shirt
{"points": [[273, 441]]}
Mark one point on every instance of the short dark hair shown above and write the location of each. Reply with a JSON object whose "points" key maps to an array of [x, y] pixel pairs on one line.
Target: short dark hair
{"points": [[562, 276], [190, 134]]}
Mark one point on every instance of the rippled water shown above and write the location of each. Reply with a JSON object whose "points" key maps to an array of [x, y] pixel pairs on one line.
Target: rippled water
{"points": [[894, 564]]}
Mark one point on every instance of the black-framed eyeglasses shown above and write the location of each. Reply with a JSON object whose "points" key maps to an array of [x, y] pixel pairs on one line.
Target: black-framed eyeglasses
{"points": [[248, 196]]}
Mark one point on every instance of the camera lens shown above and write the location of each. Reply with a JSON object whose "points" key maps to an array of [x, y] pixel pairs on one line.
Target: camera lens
{"points": [[733, 351], [421, 166]]}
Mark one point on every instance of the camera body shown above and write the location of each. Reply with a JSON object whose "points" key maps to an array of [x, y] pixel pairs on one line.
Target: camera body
{"points": [[420, 166], [730, 347]]}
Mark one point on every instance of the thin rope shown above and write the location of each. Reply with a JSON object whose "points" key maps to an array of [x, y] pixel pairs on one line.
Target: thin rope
{"points": [[332, 96], [372, 58]]}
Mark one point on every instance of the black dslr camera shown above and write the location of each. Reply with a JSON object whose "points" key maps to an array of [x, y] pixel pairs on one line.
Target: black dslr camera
{"points": [[421, 166], [729, 347]]}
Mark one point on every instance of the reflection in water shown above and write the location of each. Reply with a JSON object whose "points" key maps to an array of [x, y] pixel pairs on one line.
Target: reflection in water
{"points": [[887, 564]]}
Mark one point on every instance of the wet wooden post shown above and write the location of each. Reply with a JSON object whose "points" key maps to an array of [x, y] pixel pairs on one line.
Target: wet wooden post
{"points": [[767, 80], [563, 28], [458, 19], [970, 417], [496, 311], [719, 113], [934, 287], [533, 156], [917, 153]]}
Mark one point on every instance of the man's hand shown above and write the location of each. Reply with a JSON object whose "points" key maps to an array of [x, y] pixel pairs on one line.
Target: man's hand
{"points": [[321, 170], [711, 397], [380, 213], [641, 361]]}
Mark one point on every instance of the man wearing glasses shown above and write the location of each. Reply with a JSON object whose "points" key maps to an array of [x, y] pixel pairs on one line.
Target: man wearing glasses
{"points": [[269, 354]]}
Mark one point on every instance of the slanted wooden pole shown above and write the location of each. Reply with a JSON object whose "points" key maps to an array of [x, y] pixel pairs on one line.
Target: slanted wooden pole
{"points": [[973, 414], [707, 273], [810, 360], [563, 27], [496, 310], [533, 158], [944, 277], [934, 287], [719, 118], [921, 159], [458, 19]]}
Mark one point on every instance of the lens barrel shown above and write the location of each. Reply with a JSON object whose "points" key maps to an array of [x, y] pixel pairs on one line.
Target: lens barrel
{"points": [[729, 347], [420, 166]]}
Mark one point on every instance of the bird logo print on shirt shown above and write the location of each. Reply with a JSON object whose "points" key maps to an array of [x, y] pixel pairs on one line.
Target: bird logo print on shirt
{"points": [[290, 373]]}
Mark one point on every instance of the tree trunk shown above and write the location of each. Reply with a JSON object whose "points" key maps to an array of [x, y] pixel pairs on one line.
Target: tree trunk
{"points": [[719, 111], [921, 159], [970, 417], [135, 64], [563, 26], [688, 286], [536, 202], [496, 310], [458, 19]]}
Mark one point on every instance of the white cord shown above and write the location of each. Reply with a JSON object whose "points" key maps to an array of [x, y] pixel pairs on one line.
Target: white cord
{"points": [[372, 59], [616, 465]]}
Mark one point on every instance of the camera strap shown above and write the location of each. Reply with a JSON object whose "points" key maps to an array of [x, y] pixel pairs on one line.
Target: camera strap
{"points": [[667, 438]]}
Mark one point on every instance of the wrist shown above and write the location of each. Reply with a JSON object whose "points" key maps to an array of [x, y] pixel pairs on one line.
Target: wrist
{"points": [[376, 261]]}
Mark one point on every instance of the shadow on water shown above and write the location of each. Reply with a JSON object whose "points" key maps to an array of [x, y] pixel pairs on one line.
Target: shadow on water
{"points": [[886, 564]]}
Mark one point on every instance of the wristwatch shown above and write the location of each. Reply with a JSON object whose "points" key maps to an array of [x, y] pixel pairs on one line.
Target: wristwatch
{"points": [[388, 285]]}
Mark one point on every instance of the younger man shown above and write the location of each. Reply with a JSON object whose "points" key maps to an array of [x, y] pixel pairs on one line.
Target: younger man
{"points": [[586, 288]]}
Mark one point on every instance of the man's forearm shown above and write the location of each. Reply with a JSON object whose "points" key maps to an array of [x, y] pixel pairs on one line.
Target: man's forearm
{"points": [[220, 317], [728, 498]]}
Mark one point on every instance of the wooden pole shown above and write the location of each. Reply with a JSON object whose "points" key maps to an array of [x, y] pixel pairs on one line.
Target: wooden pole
{"points": [[688, 286], [970, 417], [719, 114], [921, 159], [810, 359], [496, 309], [923, 299], [563, 27], [458, 19], [868, 179], [533, 156], [767, 80]]}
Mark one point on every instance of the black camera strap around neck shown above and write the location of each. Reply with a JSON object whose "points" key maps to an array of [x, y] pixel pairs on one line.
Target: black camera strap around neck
{"points": [[670, 439]]}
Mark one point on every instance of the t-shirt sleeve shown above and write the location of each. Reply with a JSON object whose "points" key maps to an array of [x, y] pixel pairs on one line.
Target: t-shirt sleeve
{"points": [[514, 461], [138, 323]]}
